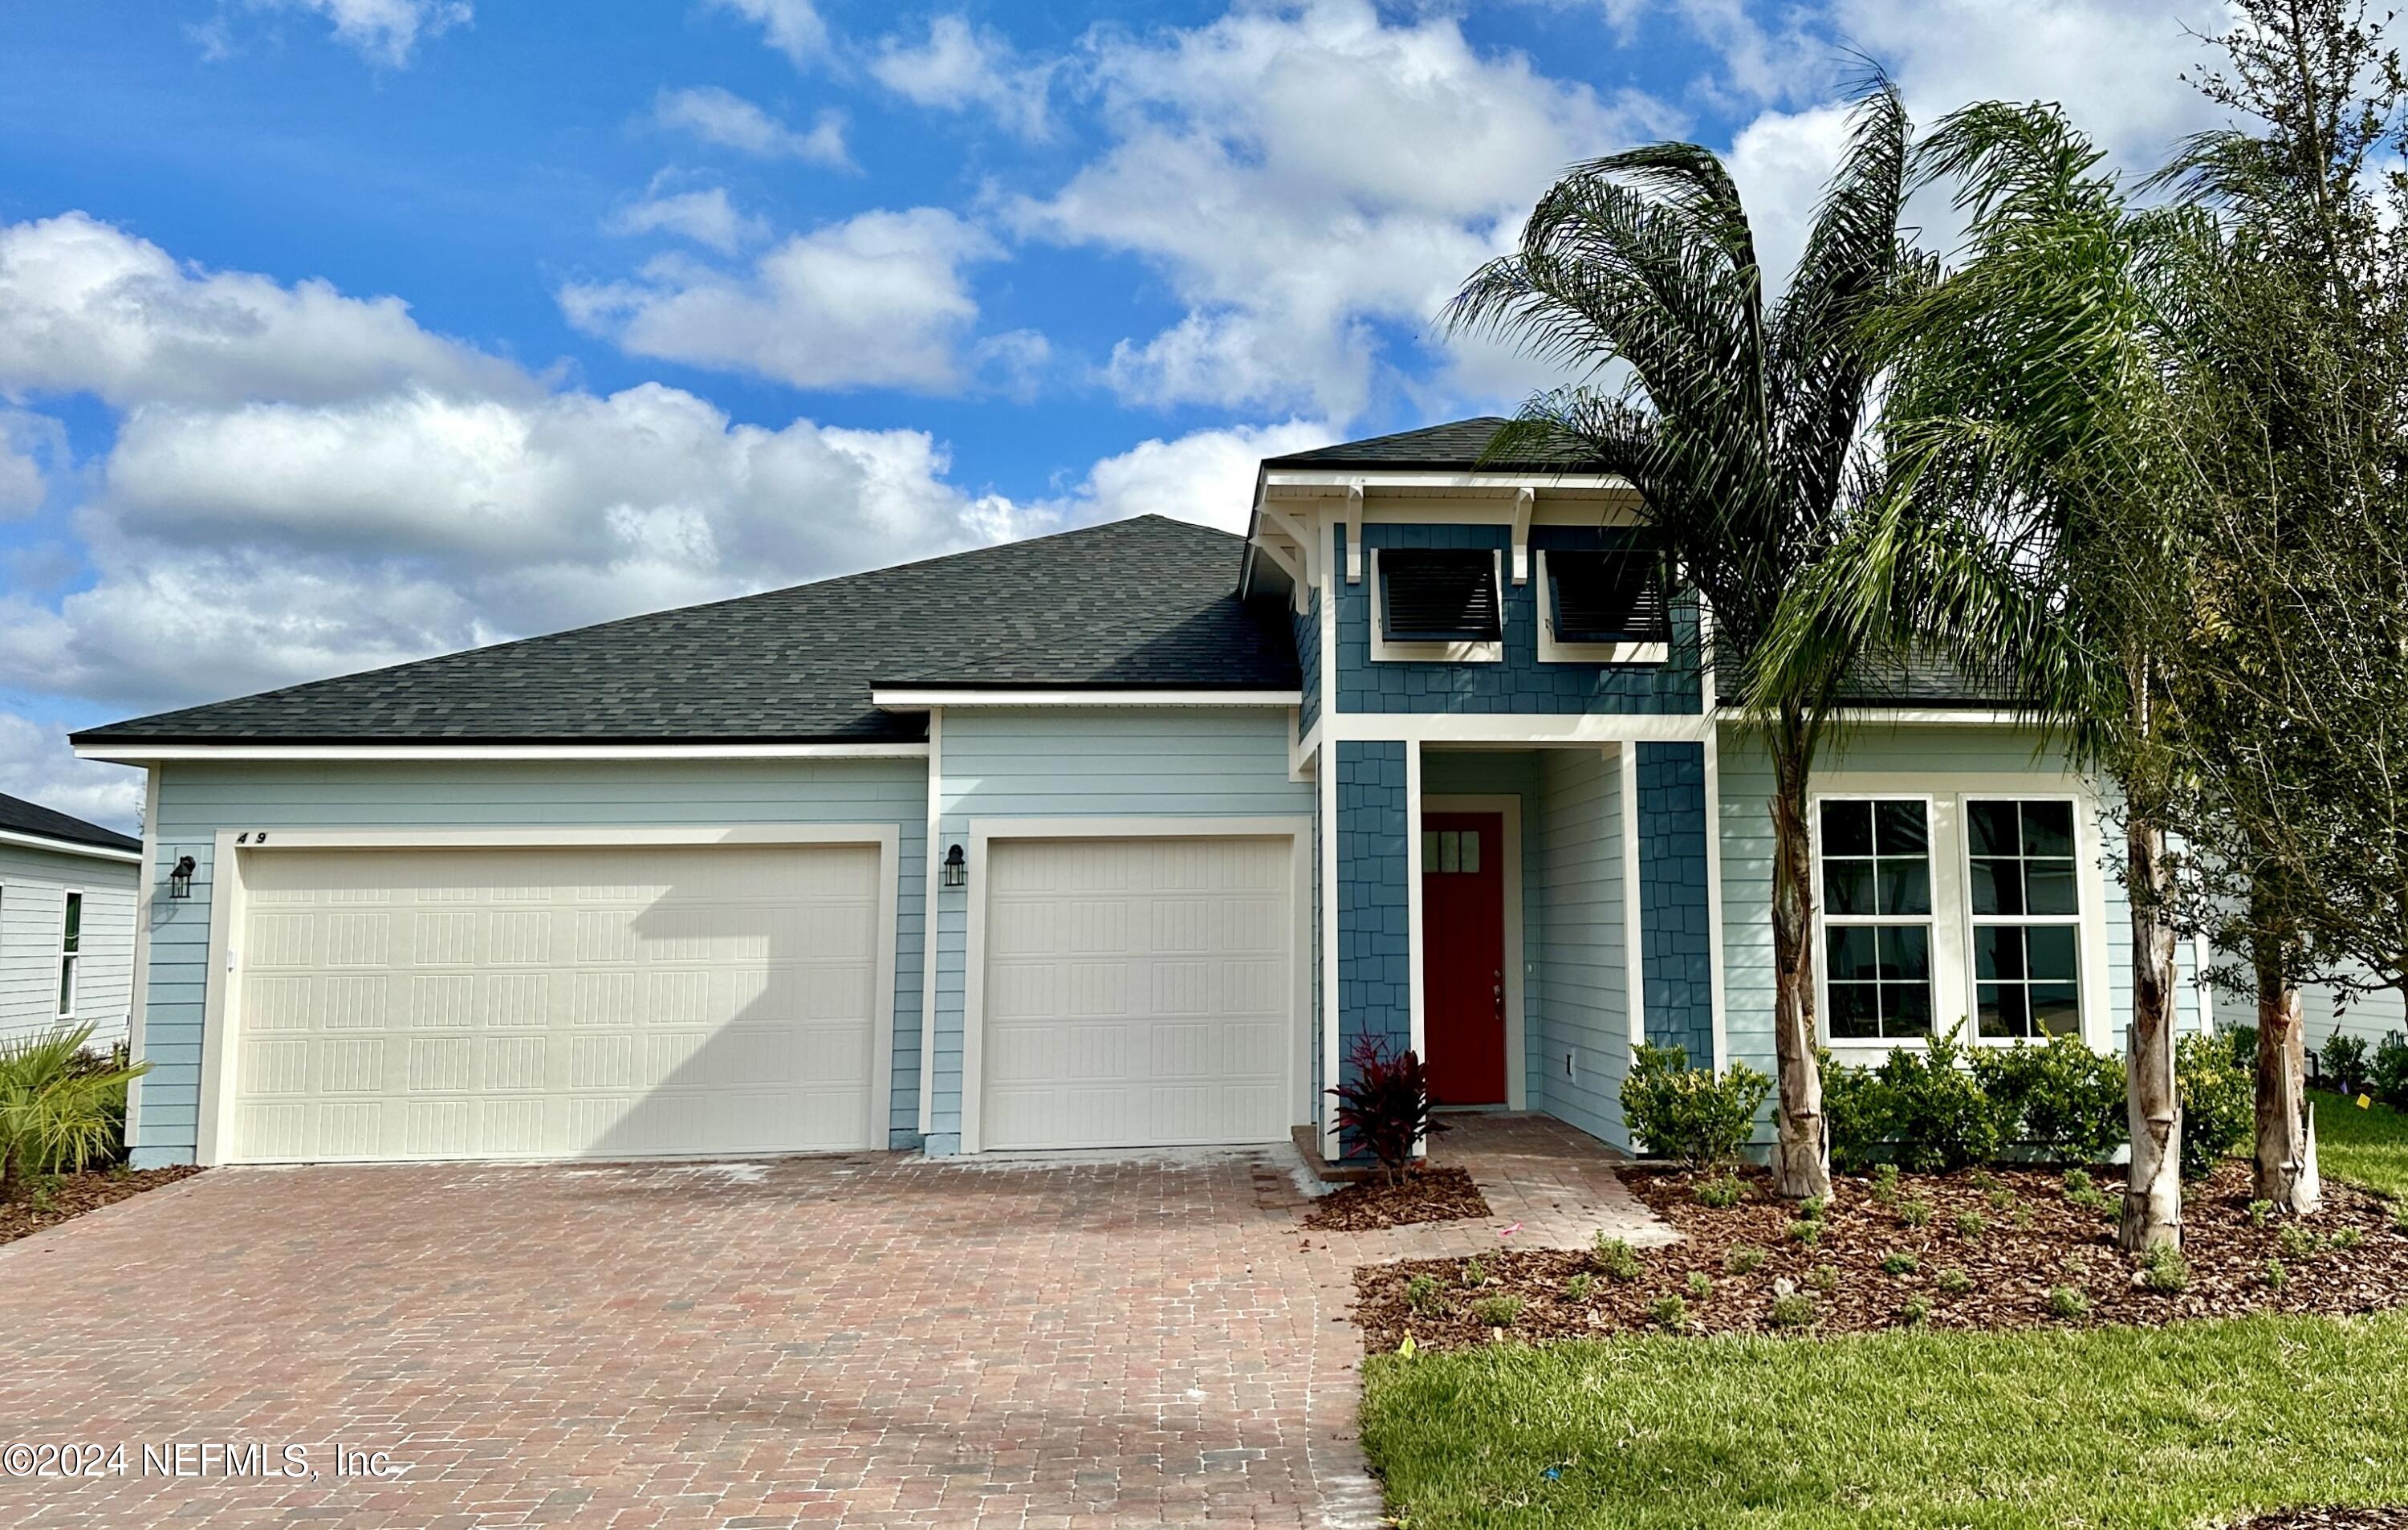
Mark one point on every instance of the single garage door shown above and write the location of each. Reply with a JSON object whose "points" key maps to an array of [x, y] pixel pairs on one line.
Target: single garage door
{"points": [[541, 1002], [1138, 993]]}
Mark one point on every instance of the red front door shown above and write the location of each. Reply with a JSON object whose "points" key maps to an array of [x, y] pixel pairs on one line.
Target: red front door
{"points": [[1463, 956]]}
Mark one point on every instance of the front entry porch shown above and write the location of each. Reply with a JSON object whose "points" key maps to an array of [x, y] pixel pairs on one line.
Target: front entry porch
{"points": [[1522, 917]]}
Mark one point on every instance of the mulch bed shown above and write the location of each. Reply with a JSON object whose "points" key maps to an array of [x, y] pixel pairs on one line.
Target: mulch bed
{"points": [[1441, 1194], [2032, 1238], [77, 1194]]}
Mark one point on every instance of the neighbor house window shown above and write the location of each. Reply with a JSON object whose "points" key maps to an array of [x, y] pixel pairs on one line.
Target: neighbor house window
{"points": [[1440, 596], [2026, 902], [1608, 597], [1876, 886], [70, 951]]}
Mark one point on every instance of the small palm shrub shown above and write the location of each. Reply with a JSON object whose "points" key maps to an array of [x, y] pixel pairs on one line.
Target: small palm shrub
{"points": [[2164, 1269], [1899, 1262], [1794, 1310], [1617, 1258], [2068, 1301], [1701, 1285], [1694, 1115], [1497, 1311], [1825, 1279], [1744, 1259], [1914, 1311], [1722, 1191], [2219, 1105], [1384, 1106], [1581, 1287], [62, 1107], [2343, 1060], [1955, 1281], [1669, 1312], [1422, 1295]]}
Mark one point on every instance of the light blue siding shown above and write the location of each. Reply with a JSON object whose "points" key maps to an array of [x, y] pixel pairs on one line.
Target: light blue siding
{"points": [[34, 887], [1170, 762], [1582, 1033], [1937, 750], [196, 801]]}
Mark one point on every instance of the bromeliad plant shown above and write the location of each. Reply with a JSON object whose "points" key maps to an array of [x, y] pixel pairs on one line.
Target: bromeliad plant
{"points": [[62, 1107], [1384, 1106]]}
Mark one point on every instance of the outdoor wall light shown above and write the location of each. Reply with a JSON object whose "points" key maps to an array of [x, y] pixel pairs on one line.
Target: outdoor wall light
{"points": [[180, 880], [957, 867]]}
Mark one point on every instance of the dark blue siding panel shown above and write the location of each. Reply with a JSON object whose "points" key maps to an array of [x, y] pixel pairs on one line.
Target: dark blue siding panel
{"points": [[1678, 976], [1374, 948]]}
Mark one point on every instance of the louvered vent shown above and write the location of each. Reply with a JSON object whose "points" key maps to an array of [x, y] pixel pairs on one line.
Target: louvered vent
{"points": [[1440, 596], [1609, 597]]}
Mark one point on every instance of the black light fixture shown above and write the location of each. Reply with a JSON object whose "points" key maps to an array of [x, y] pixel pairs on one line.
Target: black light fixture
{"points": [[957, 867], [180, 880]]}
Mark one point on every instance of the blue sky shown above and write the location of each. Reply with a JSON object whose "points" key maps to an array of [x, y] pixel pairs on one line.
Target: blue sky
{"points": [[336, 333]]}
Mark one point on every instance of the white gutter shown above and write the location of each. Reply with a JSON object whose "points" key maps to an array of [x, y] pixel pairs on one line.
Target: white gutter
{"points": [[69, 847]]}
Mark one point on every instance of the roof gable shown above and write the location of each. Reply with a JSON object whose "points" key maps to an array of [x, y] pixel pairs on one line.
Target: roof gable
{"points": [[1456, 445], [19, 816]]}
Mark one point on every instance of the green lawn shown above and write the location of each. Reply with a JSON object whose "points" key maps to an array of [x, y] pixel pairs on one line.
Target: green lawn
{"points": [[2366, 1147], [2167, 1427]]}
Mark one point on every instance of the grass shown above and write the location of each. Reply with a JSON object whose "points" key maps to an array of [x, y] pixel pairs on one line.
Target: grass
{"points": [[2367, 1148], [2102, 1427]]}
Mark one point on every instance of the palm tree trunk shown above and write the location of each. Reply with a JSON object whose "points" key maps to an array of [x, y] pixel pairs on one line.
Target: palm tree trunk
{"points": [[2285, 1167], [2152, 1106], [1801, 1160]]}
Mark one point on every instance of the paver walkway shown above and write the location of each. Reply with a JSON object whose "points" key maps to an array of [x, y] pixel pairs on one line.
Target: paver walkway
{"points": [[868, 1340]]}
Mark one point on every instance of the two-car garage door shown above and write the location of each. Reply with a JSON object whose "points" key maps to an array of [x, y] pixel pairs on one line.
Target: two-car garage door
{"points": [[544, 1003]]}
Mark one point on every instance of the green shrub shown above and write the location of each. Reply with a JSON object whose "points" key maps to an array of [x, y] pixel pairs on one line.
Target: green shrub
{"points": [[2346, 1238], [1915, 1213], [1701, 1284], [2344, 1060], [2059, 1097], [1857, 1114], [1497, 1311], [2275, 1276], [1971, 1224], [2261, 1213], [1617, 1258], [1580, 1287], [2163, 1269], [2387, 1071], [2068, 1301], [1914, 1311], [1691, 1114], [1885, 1185], [1807, 1232], [1744, 1259], [1933, 1111], [2078, 1182], [2219, 1103], [2242, 1040], [1722, 1191], [2297, 1240], [1899, 1262], [1669, 1312], [1825, 1279], [1955, 1281], [1475, 1274], [1422, 1295], [1815, 1207], [62, 1107], [1794, 1310]]}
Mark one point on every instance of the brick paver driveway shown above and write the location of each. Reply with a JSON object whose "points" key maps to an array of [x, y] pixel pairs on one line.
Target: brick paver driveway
{"points": [[872, 1341]]}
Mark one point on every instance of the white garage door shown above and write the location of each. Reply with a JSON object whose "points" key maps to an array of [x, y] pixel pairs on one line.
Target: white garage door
{"points": [[1138, 994], [544, 1003]]}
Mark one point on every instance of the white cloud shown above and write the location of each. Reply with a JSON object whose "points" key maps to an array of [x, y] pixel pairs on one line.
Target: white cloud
{"points": [[726, 118], [792, 27], [1304, 175], [707, 217], [880, 300], [37, 765], [87, 308], [27, 442], [385, 31], [1207, 477], [961, 67], [1782, 162]]}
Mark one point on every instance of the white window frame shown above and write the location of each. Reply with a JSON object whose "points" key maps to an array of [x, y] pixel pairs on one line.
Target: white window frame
{"points": [[2077, 921], [1825, 919], [1951, 959], [1550, 652], [70, 963], [1449, 651]]}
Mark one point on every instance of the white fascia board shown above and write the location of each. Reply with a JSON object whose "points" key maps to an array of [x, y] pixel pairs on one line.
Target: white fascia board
{"points": [[146, 753], [1505, 483], [1517, 730], [1978, 716], [68, 847], [900, 699]]}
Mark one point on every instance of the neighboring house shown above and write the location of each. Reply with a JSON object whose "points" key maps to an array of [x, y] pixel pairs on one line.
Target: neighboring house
{"points": [[67, 922], [1119, 837]]}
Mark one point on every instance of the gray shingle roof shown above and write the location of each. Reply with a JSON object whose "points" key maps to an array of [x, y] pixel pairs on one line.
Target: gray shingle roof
{"points": [[1148, 603], [1455, 446], [18, 816]]}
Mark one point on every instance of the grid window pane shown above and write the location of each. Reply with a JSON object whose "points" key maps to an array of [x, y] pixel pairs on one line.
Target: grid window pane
{"points": [[2002, 1015], [1903, 887], [1852, 953], [1990, 827], [1899, 829], [71, 937], [2052, 953], [1855, 1011], [1905, 953], [1997, 952], [2048, 887], [1906, 1009], [1847, 828], [1997, 886], [1848, 887], [2056, 1009], [2048, 829]]}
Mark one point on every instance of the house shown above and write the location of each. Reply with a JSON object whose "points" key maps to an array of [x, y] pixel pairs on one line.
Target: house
{"points": [[67, 922], [1117, 837]]}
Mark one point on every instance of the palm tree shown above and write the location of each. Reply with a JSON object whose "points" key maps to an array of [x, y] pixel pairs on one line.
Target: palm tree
{"points": [[2019, 530], [1741, 428], [61, 1108]]}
